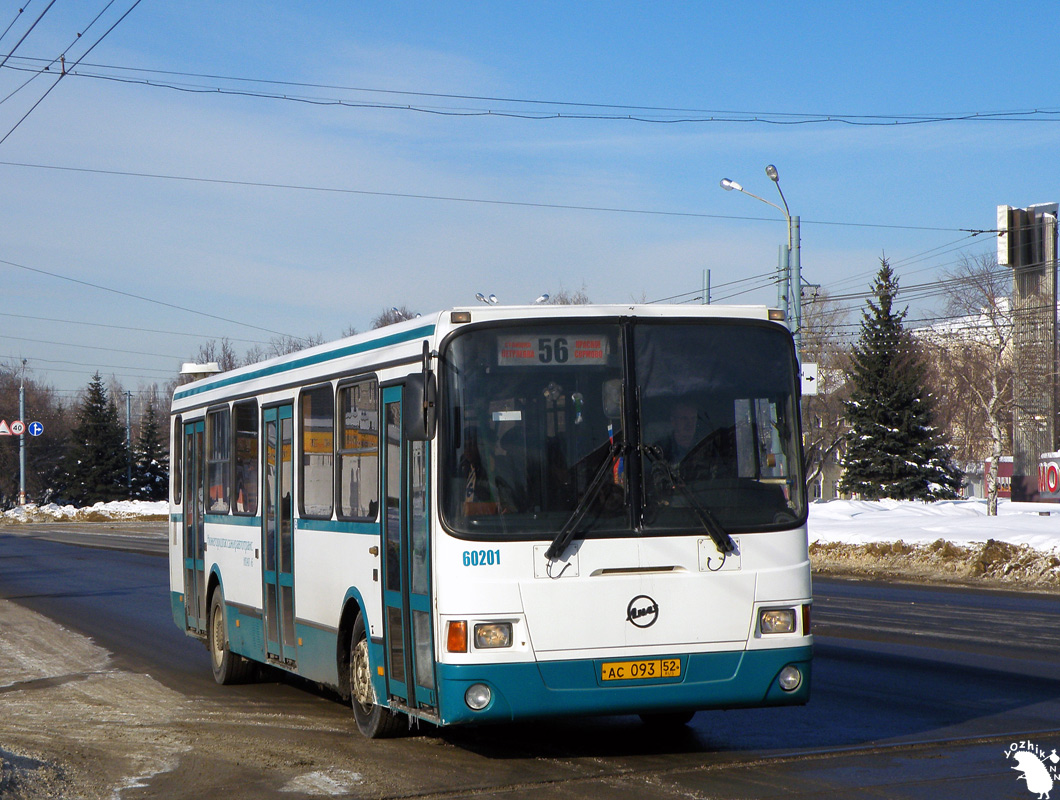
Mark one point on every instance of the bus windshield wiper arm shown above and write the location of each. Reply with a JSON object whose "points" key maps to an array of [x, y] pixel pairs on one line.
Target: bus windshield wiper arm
{"points": [[566, 533], [709, 522]]}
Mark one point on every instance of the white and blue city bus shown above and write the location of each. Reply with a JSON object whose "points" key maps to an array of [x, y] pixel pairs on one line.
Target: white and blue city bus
{"points": [[503, 513]]}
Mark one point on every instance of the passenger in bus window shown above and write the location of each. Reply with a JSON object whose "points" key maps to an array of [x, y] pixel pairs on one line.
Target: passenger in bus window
{"points": [[512, 472], [477, 496]]}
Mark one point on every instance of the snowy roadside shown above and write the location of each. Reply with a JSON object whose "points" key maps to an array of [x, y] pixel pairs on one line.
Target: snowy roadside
{"points": [[138, 510], [947, 541]]}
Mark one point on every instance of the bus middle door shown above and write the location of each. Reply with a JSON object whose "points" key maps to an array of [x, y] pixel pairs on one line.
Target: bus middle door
{"points": [[406, 565], [278, 534]]}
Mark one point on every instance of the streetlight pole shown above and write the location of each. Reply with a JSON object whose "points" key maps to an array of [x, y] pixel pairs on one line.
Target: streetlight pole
{"points": [[790, 266], [22, 438]]}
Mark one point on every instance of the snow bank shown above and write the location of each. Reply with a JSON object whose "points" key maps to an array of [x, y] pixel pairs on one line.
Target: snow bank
{"points": [[929, 542], [100, 512], [960, 522]]}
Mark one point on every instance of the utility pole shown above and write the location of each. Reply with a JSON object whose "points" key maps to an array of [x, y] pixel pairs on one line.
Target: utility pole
{"points": [[128, 441], [22, 438], [795, 273]]}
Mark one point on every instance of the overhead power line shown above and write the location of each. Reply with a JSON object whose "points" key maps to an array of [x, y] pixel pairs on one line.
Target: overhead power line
{"points": [[199, 336], [146, 299], [458, 199], [89, 347], [64, 72], [27, 33], [536, 109], [94, 365], [11, 24]]}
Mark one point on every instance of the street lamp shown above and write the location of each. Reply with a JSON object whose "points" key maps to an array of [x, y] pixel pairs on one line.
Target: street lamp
{"points": [[789, 267]]}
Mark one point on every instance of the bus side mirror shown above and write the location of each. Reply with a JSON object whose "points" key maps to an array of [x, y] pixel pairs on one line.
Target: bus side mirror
{"points": [[419, 410]]}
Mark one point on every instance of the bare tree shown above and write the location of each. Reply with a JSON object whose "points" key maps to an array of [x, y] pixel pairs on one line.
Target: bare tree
{"points": [[568, 297], [974, 361], [822, 414], [283, 345], [221, 352], [225, 355], [390, 316]]}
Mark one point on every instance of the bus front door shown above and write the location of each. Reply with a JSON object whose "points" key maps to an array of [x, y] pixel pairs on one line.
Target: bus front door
{"points": [[406, 586], [278, 535], [194, 526]]}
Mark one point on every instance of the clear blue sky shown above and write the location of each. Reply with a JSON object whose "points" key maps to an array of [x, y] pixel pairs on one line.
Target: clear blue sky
{"points": [[305, 261]]}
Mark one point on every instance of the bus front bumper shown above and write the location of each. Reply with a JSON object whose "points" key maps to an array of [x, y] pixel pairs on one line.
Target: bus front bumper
{"points": [[741, 679]]}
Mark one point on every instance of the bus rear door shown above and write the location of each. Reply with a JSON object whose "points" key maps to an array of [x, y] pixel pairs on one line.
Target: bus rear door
{"points": [[194, 526]]}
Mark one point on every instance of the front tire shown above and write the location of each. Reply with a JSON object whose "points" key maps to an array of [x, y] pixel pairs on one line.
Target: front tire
{"points": [[373, 720], [228, 667]]}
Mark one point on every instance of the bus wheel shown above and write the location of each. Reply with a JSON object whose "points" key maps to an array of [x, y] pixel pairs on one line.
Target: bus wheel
{"points": [[373, 720], [228, 667]]}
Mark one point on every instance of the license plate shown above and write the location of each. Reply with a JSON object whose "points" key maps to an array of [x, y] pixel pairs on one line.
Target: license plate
{"points": [[640, 670]]}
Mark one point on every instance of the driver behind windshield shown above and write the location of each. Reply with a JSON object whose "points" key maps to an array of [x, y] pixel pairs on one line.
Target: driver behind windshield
{"points": [[694, 448]]}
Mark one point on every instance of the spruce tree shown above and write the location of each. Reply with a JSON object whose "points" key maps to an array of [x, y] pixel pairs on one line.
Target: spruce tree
{"points": [[150, 461], [97, 458], [893, 449]]}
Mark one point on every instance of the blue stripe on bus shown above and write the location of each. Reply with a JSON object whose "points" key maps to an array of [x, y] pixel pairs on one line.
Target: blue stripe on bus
{"points": [[333, 526], [564, 688], [329, 525], [235, 519], [306, 361]]}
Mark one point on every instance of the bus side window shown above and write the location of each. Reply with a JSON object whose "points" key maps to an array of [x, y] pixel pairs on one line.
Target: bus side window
{"points": [[358, 450], [176, 452], [246, 457], [218, 460], [318, 455]]}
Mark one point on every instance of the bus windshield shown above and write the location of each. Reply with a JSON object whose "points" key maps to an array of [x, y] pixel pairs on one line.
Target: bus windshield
{"points": [[630, 427]]}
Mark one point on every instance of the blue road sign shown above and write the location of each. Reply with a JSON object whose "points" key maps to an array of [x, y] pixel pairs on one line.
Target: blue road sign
{"points": [[35, 429]]}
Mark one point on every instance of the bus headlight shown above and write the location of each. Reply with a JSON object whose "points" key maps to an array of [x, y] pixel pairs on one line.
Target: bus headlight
{"points": [[776, 620], [478, 696], [790, 678], [493, 634]]}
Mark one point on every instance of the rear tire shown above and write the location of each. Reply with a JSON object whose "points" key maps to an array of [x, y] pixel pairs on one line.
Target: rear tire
{"points": [[228, 667], [373, 720]]}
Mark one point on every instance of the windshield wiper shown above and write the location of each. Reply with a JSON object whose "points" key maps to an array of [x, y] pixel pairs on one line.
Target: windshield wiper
{"points": [[710, 524], [566, 533]]}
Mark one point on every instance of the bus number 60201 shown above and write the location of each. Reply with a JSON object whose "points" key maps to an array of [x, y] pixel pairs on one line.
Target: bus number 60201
{"points": [[482, 558]]}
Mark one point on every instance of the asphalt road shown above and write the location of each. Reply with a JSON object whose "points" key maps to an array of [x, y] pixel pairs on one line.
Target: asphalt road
{"points": [[917, 693]]}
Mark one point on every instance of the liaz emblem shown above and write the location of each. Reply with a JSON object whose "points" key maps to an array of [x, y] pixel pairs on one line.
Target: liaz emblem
{"points": [[642, 611]]}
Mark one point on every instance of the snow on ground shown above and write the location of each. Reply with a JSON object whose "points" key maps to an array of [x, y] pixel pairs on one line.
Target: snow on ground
{"points": [[944, 541], [959, 522], [100, 512], [947, 541]]}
